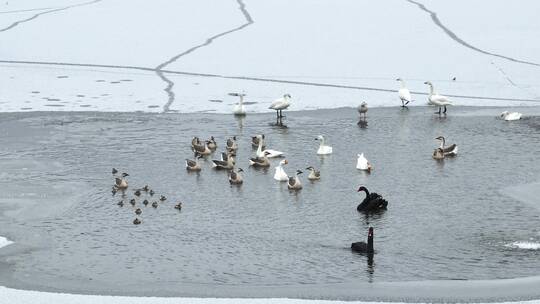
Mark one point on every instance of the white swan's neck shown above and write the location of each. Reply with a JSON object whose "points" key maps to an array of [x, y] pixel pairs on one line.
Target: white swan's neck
{"points": [[402, 82], [259, 148], [431, 90], [241, 100], [323, 141]]}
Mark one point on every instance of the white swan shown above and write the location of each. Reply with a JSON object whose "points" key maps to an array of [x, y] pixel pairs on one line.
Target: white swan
{"points": [[239, 107], [268, 152], [510, 115], [362, 163], [404, 93], [323, 148], [436, 99], [281, 104], [280, 174]]}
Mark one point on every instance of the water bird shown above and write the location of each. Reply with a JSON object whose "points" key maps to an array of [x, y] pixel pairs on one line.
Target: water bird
{"points": [[280, 174], [145, 188], [451, 150], [232, 146], [138, 211], [211, 143], [132, 202], [178, 206], [151, 192], [145, 202], [162, 198], [314, 174], [281, 104], [268, 152], [363, 247], [238, 109], [114, 171], [324, 149], [363, 164], [438, 154], [362, 110], [227, 164], [195, 141], [201, 149], [404, 93], [372, 202], [436, 99], [120, 183], [120, 203], [124, 175], [193, 165], [294, 181], [137, 193], [114, 190], [260, 161], [508, 116], [136, 221], [154, 204], [255, 140], [235, 178]]}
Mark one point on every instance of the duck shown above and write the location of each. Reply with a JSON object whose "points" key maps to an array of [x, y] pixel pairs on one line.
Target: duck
{"points": [[211, 143], [256, 139], [146, 188], [226, 164], [363, 247], [137, 193], [404, 93], [120, 203], [120, 183], [438, 154], [232, 146], [362, 109], [363, 164], [323, 148], [509, 116], [260, 161], [151, 192], [235, 178], [145, 202], [372, 202], [281, 104], [201, 149], [436, 99], [238, 109], [154, 204], [294, 181], [280, 174], [314, 174], [162, 198], [178, 206], [136, 221], [132, 202], [448, 151], [268, 152], [138, 211], [194, 165]]}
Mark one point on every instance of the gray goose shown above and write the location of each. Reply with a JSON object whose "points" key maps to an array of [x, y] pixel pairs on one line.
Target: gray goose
{"points": [[227, 164], [314, 174], [232, 146], [235, 178], [211, 143], [294, 182], [362, 109], [451, 150], [193, 165], [260, 161], [256, 139]]}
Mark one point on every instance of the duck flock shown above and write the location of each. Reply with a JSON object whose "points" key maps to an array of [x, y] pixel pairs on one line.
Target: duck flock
{"points": [[201, 149]]}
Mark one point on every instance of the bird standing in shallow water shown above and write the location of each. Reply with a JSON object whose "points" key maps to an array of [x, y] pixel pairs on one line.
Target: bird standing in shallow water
{"points": [[363, 247], [281, 104]]}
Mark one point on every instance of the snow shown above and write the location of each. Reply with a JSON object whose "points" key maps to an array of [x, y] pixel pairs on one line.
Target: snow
{"points": [[524, 245], [4, 242]]}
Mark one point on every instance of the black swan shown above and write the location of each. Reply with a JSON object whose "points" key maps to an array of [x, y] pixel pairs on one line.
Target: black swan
{"points": [[362, 247], [372, 202]]}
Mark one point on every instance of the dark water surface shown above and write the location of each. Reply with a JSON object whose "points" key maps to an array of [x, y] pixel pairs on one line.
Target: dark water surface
{"points": [[445, 221]]}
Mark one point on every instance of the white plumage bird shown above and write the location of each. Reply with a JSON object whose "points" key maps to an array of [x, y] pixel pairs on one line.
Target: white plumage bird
{"points": [[437, 100], [239, 107], [508, 116], [281, 104], [404, 93]]}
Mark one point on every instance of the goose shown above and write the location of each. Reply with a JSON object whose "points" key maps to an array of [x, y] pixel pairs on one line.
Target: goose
{"points": [[195, 141], [256, 139], [202, 149], [294, 182], [363, 247], [193, 165], [268, 152], [404, 93], [362, 109], [314, 174], [281, 104], [120, 183], [260, 161], [224, 164], [508, 116], [323, 148], [232, 146], [436, 99], [238, 109], [136, 221], [138, 211], [235, 178], [280, 174], [372, 202], [363, 164], [211, 143], [438, 154], [449, 151], [178, 206]]}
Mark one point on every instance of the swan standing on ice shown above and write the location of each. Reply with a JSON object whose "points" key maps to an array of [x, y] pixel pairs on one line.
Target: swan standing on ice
{"points": [[281, 104], [362, 109], [239, 107], [268, 152], [280, 174], [363, 164], [508, 116], [404, 93], [323, 148], [436, 99]]}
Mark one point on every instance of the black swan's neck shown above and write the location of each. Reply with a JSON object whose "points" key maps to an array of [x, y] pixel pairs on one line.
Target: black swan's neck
{"points": [[370, 243], [366, 191]]}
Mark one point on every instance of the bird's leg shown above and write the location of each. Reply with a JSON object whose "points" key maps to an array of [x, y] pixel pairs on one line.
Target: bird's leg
{"points": [[444, 110], [439, 111]]}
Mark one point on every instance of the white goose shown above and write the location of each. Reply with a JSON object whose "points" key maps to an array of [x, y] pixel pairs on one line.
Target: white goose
{"points": [[404, 93], [436, 99], [323, 148], [268, 152], [281, 104], [239, 107], [508, 116], [363, 164], [280, 174]]}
